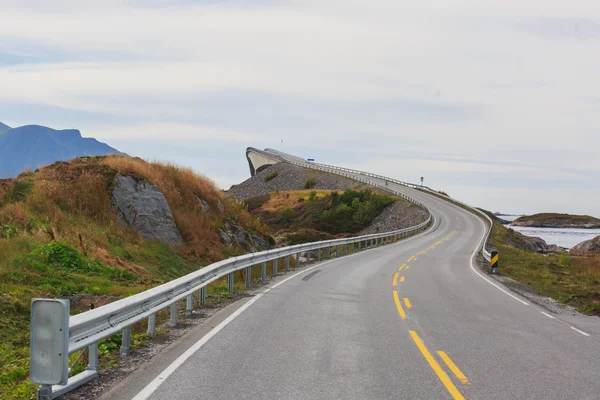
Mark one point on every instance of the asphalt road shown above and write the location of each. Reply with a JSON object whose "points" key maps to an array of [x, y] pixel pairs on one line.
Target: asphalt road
{"points": [[358, 328]]}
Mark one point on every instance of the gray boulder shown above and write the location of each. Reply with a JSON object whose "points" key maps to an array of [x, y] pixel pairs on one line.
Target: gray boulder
{"points": [[233, 234], [141, 206], [588, 247]]}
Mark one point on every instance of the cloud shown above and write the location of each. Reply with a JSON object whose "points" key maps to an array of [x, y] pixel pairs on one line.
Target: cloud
{"points": [[468, 93]]}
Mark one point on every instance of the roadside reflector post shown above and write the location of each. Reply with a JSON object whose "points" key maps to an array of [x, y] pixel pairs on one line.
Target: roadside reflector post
{"points": [[49, 344], [494, 260], [230, 278]]}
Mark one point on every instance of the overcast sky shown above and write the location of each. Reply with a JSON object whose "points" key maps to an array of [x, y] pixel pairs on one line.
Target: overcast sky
{"points": [[496, 104]]}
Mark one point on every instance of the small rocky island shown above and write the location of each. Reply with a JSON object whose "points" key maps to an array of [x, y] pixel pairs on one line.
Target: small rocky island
{"points": [[554, 220]]}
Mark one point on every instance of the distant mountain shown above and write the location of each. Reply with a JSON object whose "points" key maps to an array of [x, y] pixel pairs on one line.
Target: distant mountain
{"points": [[4, 128], [35, 146]]}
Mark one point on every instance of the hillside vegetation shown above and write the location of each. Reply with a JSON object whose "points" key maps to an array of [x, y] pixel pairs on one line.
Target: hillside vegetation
{"points": [[60, 237], [308, 215], [567, 278], [554, 220]]}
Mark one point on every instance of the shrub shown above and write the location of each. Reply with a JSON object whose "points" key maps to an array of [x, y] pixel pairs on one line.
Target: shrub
{"points": [[270, 175], [312, 195], [286, 215], [309, 183], [301, 199]]}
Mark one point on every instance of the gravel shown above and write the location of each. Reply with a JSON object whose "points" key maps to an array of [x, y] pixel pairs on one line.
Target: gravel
{"points": [[399, 215], [290, 177]]}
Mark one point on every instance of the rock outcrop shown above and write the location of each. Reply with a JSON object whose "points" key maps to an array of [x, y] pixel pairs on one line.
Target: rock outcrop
{"points": [[531, 243], [143, 207], [233, 234], [589, 247], [399, 215]]}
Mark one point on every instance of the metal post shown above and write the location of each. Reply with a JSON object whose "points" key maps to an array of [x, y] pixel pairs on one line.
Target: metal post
{"points": [[352, 247], [151, 325], [319, 255], [188, 305], [494, 260], [287, 262], [263, 275], [230, 278], [275, 266], [298, 260], [93, 357], [173, 321], [337, 251], [44, 392], [125, 342], [203, 295], [248, 277], [329, 252], [359, 245]]}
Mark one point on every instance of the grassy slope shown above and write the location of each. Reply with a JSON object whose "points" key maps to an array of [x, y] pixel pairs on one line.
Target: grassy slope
{"points": [[59, 237], [309, 215], [571, 280]]}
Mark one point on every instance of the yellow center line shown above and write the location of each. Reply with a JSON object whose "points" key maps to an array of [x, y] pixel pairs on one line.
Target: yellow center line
{"points": [[395, 281], [461, 377], [402, 266], [399, 305], [401, 279], [412, 258], [436, 367], [408, 266], [407, 303]]}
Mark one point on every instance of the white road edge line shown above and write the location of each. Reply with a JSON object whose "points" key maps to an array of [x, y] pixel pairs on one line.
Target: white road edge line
{"points": [[146, 392], [473, 268], [582, 332], [548, 315]]}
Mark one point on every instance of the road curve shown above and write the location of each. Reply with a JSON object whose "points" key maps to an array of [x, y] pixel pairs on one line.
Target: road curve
{"points": [[411, 320]]}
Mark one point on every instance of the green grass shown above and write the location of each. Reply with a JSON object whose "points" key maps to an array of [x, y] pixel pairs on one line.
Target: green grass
{"points": [[571, 280], [546, 218]]}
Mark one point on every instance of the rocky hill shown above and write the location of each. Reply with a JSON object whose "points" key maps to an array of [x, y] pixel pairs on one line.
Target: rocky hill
{"points": [[284, 177], [589, 247], [102, 228], [33, 146], [553, 220]]}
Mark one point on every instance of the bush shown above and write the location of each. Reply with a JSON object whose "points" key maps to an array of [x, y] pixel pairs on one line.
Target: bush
{"points": [[309, 183], [270, 176], [301, 199], [312, 195], [286, 215]]}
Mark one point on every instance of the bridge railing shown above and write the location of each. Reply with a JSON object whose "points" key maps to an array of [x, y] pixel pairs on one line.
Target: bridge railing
{"points": [[487, 251], [85, 330]]}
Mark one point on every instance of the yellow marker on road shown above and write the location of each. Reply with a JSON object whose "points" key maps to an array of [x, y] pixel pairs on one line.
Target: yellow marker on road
{"points": [[399, 305], [407, 303], [402, 266], [395, 281], [456, 395], [401, 279], [412, 258], [461, 377]]}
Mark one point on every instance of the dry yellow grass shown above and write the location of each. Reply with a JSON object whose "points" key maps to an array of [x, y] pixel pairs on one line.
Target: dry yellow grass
{"points": [[290, 198]]}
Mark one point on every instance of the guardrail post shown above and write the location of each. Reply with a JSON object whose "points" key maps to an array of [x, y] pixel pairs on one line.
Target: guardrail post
{"points": [[230, 278], [151, 325], [173, 320], [287, 262], [188, 305], [319, 255], [203, 295], [248, 277], [125, 341], [93, 357], [337, 251], [263, 272], [275, 266], [298, 260], [44, 392], [353, 247], [328, 252], [359, 245]]}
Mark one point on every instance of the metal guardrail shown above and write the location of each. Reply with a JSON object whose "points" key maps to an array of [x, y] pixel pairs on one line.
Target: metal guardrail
{"points": [[88, 328], [487, 250]]}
